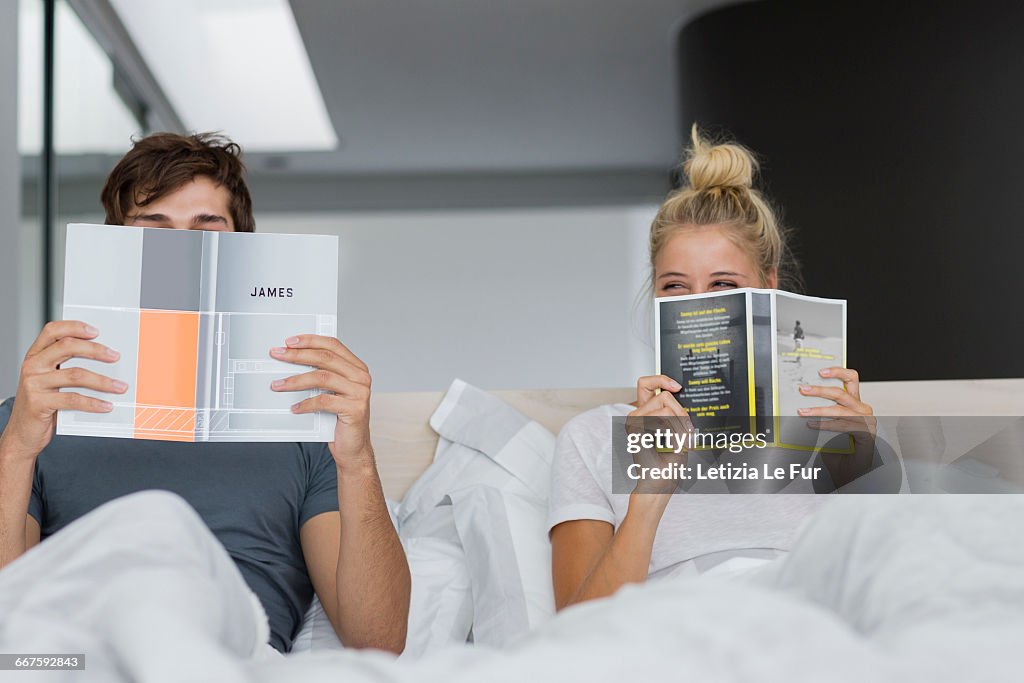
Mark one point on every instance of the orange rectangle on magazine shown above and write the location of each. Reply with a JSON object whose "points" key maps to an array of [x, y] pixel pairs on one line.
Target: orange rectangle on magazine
{"points": [[166, 381]]}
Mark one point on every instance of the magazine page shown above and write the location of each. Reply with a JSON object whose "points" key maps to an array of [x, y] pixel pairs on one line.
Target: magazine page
{"points": [[810, 335], [703, 342], [194, 315]]}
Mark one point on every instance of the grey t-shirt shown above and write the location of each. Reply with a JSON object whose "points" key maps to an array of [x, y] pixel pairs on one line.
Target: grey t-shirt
{"points": [[254, 497]]}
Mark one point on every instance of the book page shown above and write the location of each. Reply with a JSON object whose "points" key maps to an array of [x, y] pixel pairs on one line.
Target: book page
{"points": [[810, 335], [703, 344]]}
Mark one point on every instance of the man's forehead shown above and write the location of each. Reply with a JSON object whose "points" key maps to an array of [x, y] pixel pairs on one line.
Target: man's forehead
{"points": [[198, 204], [199, 191]]}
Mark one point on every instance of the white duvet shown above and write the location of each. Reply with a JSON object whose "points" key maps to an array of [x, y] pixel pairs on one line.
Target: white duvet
{"points": [[896, 588]]}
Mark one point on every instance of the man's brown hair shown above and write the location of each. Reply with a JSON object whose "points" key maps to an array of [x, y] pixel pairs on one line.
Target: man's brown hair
{"points": [[161, 163]]}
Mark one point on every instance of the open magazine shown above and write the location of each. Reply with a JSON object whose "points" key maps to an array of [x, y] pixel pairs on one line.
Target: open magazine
{"points": [[194, 315], [741, 355]]}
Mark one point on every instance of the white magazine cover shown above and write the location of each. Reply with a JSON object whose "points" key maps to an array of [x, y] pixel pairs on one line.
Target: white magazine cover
{"points": [[194, 315]]}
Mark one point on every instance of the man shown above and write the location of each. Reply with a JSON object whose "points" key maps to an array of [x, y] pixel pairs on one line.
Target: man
{"points": [[295, 518]]}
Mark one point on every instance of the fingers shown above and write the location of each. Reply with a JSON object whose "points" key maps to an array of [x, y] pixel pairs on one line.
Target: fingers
{"points": [[836, 394], [316, 341], [665, 405], [843, 424], [77, 378], [67, 348], [325, 360], [647, 387], [59, 329], [52, 401], [848, 376], [86, 404], [348, 410], [829, 411], [840, 396], [42, 378], [325, 381], [338, 370]]}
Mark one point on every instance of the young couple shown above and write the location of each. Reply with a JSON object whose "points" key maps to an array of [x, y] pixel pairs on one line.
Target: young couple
{"points": [[304, 518]]}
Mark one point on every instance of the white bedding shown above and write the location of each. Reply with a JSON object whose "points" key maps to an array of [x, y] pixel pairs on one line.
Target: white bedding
{"points": [[878, 588], [900, 588]]}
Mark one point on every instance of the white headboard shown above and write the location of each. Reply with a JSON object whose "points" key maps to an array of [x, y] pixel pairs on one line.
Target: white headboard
{"points": [[404, 442]]}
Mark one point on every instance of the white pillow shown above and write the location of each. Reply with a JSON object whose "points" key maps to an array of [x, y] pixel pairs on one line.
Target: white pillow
{"points": [[441, 605], [317, 634], [504, 536], [482, 440]]}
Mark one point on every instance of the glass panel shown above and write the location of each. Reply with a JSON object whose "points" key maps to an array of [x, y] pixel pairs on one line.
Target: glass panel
{"points": [[30, 141], [90, 116], [92, 128]]}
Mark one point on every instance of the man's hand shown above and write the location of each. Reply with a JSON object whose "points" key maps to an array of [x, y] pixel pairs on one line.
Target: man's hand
{"points": [[355, 559], [339, 371], [39, 394]]}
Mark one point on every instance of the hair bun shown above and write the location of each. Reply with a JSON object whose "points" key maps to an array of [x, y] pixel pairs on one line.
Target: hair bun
{"points": [[718, 166]]}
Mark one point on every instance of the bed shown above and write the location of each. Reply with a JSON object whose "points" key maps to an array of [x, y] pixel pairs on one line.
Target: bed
{"points": [[882, 588]]}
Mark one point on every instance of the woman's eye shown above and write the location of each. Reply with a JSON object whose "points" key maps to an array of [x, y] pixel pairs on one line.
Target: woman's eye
{"points": [[675, 286], [723, 284]]}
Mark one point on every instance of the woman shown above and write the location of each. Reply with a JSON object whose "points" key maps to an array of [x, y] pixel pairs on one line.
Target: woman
{"points": [[716, 233]]}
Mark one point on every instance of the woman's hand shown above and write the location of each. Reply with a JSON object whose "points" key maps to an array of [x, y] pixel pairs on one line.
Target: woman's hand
{"points": [[589, 558], [849, 409], [657, 411], [849, 415]]}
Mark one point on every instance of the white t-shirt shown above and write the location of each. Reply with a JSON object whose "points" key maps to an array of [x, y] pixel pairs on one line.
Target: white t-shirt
{"points": [[697, 530]]}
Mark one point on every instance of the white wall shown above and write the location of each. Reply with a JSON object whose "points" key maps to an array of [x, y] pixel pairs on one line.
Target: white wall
{"points": [[525, 298], [10, 205]]}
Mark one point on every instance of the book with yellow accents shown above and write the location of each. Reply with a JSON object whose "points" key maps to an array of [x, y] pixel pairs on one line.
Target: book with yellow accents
{"points": [[741, 356]]}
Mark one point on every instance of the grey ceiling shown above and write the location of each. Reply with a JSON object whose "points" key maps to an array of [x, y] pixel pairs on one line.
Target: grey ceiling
{"points": [[417, 86], [472, 103]]}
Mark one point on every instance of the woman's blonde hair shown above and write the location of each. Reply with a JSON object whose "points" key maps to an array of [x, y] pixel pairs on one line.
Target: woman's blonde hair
{"points": [[719, 190]]}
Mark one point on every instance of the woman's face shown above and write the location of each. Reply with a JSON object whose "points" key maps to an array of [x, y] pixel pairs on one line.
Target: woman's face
{"points": [[700, 259]]}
